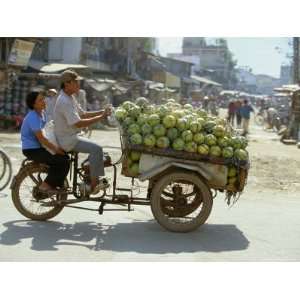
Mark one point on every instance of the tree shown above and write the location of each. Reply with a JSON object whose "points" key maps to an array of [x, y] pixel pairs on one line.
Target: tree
{"points": [[229, 77]]}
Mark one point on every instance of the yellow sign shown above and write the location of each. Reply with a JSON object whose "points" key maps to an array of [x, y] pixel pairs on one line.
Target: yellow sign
{"points": [[20, 53]]}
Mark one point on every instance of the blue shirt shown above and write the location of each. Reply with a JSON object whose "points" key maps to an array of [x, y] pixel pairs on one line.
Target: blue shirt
{"points": [[32, 123], [245, 111]]}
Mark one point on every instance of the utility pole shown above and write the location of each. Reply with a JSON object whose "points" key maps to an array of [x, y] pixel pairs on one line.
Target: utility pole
{"points": [[296, 59]]}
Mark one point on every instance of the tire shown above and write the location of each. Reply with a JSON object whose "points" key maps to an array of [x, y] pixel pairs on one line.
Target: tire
{"points": [[2, 165], [45, 213], [259, 120], [202, 197], [6, 172]]}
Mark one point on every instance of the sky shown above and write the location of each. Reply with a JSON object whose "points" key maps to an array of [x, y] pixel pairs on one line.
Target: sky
{"points": [[263, 55]]}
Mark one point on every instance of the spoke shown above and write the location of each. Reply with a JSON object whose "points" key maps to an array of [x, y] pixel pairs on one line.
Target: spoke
{"points": [[165, 202], [34, 179], [27, 199], [184, 203]]}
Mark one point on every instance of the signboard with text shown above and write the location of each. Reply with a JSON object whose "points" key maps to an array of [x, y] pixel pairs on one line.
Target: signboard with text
{"points": [[20, 53]]}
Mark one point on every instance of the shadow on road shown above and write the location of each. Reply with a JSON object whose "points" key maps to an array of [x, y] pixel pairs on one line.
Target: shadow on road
{"points": [[141, 237]]}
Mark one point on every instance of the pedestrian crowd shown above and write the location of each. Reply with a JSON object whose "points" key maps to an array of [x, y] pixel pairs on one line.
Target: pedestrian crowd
{"points": [[238, 114]]}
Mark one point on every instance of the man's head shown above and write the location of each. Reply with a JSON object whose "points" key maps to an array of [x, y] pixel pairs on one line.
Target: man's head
{"points": [[245, 101], [70, 82]]}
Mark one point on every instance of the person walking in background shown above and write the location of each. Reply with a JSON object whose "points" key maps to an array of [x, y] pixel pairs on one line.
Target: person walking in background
{"points": [[205, 103], [231, 112], [212, 106], [238, 105], [245, 111], [50, 103]]}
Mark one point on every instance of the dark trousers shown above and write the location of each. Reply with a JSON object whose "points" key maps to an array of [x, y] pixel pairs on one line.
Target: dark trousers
{"points": [[58, 165], [238, 119], [230, 118]]}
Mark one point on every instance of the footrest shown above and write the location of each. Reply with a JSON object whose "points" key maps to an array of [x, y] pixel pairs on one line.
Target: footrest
{"points": [[106, 159], [118, 209]]}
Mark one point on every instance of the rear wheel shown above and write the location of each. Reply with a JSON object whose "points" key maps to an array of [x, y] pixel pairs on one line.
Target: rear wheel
{"points": [[181, 201], [27, 198]]}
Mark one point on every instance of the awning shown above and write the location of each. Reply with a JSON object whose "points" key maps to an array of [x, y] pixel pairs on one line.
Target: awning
{"points": [[187, 80], [227, 92], [205, 80], [98, 86], [54, 68], [288, 88], [281, 95], [156, 85], [120, 88]]}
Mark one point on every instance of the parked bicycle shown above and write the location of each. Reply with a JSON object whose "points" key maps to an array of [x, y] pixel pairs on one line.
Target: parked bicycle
{"points": [[5, 170], [260, 117]]}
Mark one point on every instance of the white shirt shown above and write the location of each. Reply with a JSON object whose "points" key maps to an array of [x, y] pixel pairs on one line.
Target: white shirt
{"points": [[66, 113], [50, 104]]}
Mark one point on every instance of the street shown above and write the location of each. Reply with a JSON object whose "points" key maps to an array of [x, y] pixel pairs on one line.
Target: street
{"points": [[263, 225]]}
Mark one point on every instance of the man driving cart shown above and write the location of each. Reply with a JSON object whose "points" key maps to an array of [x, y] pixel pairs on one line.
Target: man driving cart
{"points": [[69, 119]]}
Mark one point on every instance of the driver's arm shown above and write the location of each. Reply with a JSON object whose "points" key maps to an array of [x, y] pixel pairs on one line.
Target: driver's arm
{"points": [[85, 122], [91, 114], [44, 141]]}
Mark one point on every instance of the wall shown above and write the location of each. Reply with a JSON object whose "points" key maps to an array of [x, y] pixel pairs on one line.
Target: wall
{"points": [[179, 68], [194, 59], [286, 75], [65, 50], [212, 58], [266, 83], [247, 77]]}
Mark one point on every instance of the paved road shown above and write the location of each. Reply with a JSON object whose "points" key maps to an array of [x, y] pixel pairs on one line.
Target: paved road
{"points": [[262, 226], [256, 229]]}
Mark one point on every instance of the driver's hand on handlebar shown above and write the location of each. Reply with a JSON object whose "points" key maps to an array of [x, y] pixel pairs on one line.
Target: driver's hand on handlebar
{"points": [[107, 111]]}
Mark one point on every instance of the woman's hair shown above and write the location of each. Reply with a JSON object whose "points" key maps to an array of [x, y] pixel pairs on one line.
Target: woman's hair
{"points": [[30, 99], [62, 86]]}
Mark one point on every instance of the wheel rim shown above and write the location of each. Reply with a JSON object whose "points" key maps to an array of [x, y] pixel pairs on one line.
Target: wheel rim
{"points": [[259, 120], [2, 165], [5, 170], [29, 196], [181, 201]]}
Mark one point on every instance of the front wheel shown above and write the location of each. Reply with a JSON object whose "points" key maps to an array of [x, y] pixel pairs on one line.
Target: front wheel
{"points": [[181, 201], [5, 170], [27, 198]]}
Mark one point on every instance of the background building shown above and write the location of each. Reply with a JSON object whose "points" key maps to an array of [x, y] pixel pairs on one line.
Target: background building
{"points": [[286, 74], [213, 61]]}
